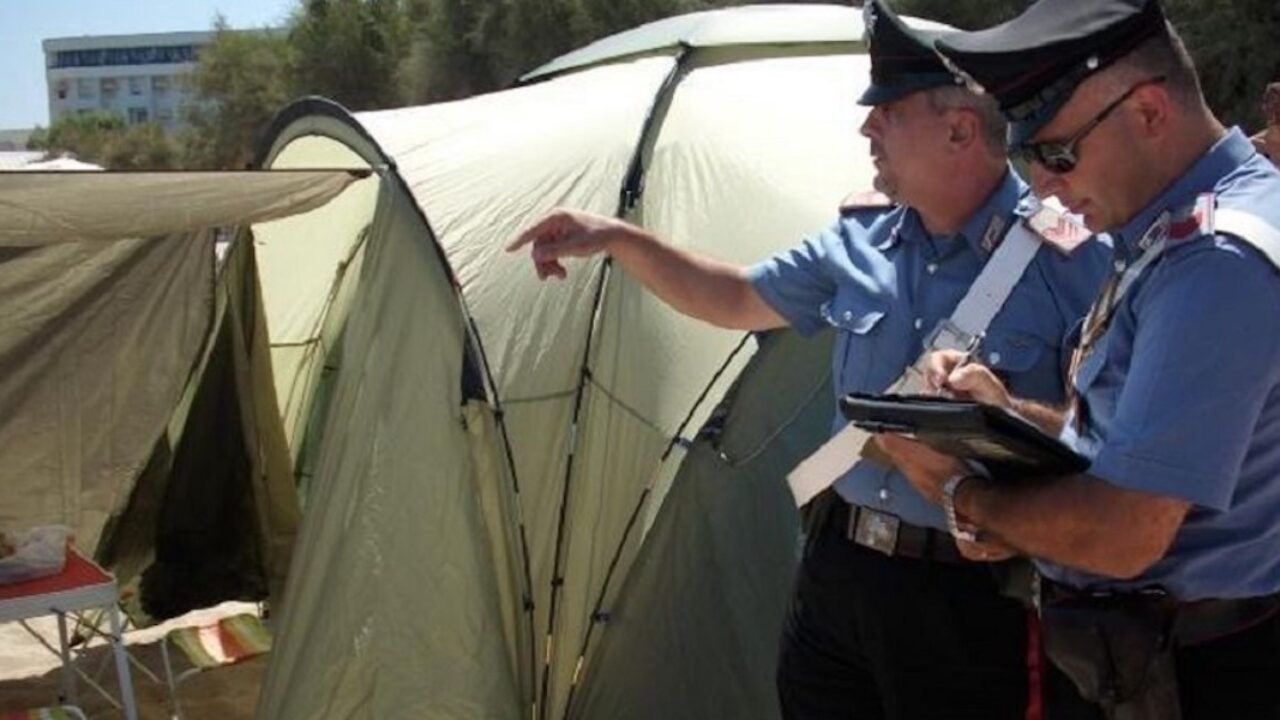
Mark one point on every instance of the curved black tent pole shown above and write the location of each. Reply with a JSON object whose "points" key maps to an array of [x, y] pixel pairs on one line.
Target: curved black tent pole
{"points": [[629, 195], [316, 105]]}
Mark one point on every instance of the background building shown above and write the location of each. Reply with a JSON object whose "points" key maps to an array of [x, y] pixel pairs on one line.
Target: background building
{"points": [[143, 78]]}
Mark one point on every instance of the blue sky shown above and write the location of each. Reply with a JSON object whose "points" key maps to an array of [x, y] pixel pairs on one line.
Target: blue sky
{"points": [[24, 23]]}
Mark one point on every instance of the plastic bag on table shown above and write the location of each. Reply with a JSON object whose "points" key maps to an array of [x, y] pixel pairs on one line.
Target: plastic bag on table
{"points": [[35, 553]]}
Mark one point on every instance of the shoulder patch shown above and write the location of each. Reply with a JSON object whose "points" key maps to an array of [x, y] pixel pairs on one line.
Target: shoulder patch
{"points": [[865, 200], [1062, 231], [1193, 220]]}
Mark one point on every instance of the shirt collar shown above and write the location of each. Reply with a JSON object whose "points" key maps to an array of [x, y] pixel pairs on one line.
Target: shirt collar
{"points": [[1229, 153], [998, 206], [895, 234], [1002, 202]]}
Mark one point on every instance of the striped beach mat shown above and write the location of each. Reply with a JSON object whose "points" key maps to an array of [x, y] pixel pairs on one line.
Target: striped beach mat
{"points": [[226, 642]]}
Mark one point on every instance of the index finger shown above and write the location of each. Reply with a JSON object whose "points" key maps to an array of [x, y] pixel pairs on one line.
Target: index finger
{"points": [[533, 232]]}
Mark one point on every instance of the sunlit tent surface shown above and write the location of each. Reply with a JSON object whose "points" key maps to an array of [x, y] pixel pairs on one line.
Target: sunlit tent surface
{"points": [[562, 499], [127, 367]]}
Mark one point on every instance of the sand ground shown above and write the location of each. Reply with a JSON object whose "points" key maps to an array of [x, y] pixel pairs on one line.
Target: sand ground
{"points": [[30, 675]]}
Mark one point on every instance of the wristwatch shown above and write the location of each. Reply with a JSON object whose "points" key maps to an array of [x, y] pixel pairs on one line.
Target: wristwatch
{"points": [[960, 530]]}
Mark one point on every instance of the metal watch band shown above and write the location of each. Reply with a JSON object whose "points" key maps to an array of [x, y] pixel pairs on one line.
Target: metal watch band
{"points": [[967, 533]]}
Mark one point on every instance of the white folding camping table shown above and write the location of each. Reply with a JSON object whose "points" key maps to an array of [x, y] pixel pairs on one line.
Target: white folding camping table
{"points": [[81, 585]]}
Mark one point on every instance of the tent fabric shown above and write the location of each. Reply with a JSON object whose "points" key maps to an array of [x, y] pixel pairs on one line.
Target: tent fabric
{"points": [[399, 418], [213, 515], [17, 159], [59, 163], [695, 617], [110, 206], [96, 343], [804, 25], [554, 522], [309, 257], [105, 340], [758, 24]]}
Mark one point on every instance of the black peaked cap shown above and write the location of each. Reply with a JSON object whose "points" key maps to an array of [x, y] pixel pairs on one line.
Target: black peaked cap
{"points": [[1033, 63], [902, 60]]}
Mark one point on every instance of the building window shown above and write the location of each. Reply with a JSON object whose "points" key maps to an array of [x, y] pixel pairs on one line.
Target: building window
{"points": [[109, 86], [137, 116], [150, 55], [135, 86], [160, 84], [84, 88]]}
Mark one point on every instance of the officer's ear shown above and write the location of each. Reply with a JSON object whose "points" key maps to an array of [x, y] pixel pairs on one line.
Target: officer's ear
{"points": [[1152, 108], [963, 128]]}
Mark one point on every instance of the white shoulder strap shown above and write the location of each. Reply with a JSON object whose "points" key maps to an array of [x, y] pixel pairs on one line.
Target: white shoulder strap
{"points": [[988, 293], [967, 324], [1250, 228]]}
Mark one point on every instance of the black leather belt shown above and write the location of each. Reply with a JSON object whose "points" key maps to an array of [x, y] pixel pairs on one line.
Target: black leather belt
{"points": [[888, 534], [1194, 622], [1204, 621]]}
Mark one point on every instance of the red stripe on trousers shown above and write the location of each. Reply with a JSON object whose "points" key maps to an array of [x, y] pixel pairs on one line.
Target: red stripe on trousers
{"points": [[1035, 668]]}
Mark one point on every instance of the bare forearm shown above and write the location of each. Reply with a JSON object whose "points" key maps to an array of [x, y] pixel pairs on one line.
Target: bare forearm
{"points": [[707, 289], [1077, 521], [1046, 417]]}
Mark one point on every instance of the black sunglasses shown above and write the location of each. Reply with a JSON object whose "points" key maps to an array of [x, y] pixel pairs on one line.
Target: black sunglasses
{"points": [[1059, 156]]}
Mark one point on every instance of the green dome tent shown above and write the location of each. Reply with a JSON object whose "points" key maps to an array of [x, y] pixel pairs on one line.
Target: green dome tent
{"points": [[563, 499]]}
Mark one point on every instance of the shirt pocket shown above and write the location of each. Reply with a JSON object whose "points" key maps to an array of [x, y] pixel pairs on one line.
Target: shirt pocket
{"points": [[856, 318], [1028, 364]]}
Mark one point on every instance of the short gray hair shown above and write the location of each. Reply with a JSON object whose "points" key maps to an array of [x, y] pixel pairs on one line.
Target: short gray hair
{"points": [[958, 97], [1163, 55]]}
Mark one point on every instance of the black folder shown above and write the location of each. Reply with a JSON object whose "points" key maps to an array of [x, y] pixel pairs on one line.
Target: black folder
{"points": [[1006, 444]]}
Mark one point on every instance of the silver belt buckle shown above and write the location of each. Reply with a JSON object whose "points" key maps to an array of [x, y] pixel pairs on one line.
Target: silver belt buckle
{"points": [[875, 530]]}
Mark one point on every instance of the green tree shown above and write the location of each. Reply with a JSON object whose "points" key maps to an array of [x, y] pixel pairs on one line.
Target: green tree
{"points": [[464, 47], [349, 51], [104, 139], [84, 135], [453, 49], [1235, 49], [239, 84], [140, 147]]}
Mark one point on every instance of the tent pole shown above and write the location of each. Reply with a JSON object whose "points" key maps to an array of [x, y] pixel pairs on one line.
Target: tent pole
{"points": [[629, 195], [598, 617], [500, 418], [557, 582]]}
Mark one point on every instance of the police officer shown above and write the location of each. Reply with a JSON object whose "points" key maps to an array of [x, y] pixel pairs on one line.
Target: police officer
{"points": [[1161, 564], [894, 623]]}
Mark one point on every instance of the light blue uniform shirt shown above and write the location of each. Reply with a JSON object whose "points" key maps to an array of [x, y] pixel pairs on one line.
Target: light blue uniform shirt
{"points": [[883, 283], [1181, 397]]}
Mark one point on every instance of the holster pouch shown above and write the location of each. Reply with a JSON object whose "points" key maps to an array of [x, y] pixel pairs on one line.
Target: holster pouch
{"points": [[1015, 578], [1118, 649]]}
